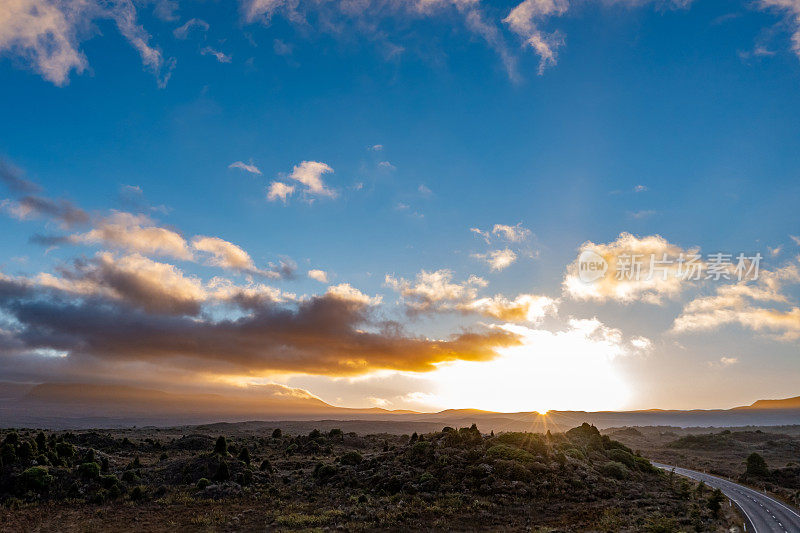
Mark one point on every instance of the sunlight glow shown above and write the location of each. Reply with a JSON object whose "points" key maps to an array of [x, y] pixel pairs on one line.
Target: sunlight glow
{"points": [[564, 370]]}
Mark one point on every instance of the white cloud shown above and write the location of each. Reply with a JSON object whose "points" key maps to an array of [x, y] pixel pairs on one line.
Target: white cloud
{"points": [[525, 20], [47, 35], [279, 191], [224, 254], [183, 32], [376, 147], [431, 288], [137, 233], [318, 275], [654, 282], [247, 167], [515, 233], [220, 56], [791, 9], [387, 165], [640, 188], [759, 305], [498, 259], [310, 173], [345, 291], [525, 307], [796, 239]]}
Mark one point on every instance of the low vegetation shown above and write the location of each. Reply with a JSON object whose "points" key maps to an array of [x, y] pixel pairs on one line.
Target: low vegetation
{"points": [[451, 479]]}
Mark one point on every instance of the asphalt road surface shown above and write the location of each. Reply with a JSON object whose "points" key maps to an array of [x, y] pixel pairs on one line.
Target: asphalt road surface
{"points": [[764, 514]]}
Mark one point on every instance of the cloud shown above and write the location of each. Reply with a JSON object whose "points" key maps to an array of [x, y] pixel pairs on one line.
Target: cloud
{"points": [[525, 307], [309, 173], [62, 211], [723, 362], [642, 214], [220, 56], [365, 16], [224, 254], [347, 292], [247, 167], [387, 165], [133, 279], [13, 178], [796, 239], [281, 48], [136, 233], [47, 35], [791, 10], [640, 188], [334, 334], [436, 292], [654, 281], [525, 20], [318, 275], [498, 259], [430, 289], [515, 233], [759, 305], [376, 147], [279, 191], [183, 31]]}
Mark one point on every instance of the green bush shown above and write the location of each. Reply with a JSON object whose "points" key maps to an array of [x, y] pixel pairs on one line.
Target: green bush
{"points": [[203, 483], [89, 470], [621, 456], [35, 478], [325, 472], [614, 469], [351, 458], [510, 453]]}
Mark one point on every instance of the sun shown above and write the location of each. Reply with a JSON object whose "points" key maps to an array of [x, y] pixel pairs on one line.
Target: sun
{"points": [[566, 370]]}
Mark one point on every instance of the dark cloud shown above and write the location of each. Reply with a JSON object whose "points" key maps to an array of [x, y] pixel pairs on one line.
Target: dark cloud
{"points": [[12, 178], [323, 335], [49, 240], [61, 210]]}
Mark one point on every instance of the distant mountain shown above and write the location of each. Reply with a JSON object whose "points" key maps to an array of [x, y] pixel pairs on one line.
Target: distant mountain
{"points": [[786, 403], [81, 405]]}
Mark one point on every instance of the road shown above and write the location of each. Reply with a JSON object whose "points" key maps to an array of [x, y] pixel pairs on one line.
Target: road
{"points": [[764, 513]]}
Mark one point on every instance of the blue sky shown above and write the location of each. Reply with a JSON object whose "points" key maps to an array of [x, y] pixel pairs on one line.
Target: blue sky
{"points": [[670, 119]]}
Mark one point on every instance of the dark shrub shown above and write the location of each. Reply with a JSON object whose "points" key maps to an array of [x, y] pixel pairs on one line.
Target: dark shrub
{"points": [[8, 454], [129, 476], [222, 473], [109, 481], [203, 483], [25, 451], [89, 470], [351, 458], [266, 466], [244, 455], [714, 502], [245, 478], [104, 466], [757, 466], [41, 442], [138, 493], [277, 433], [325, 472], [336, 433], [12, 438], [503, 451], [65, 450], [221, 447], [35, 478], [315, 434]]}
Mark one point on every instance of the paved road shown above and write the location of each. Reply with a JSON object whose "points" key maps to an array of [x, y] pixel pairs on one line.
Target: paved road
{"points": [[764, 513]]}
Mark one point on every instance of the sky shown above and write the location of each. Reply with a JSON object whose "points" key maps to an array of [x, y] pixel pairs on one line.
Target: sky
{"points": [[383, 202]]}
